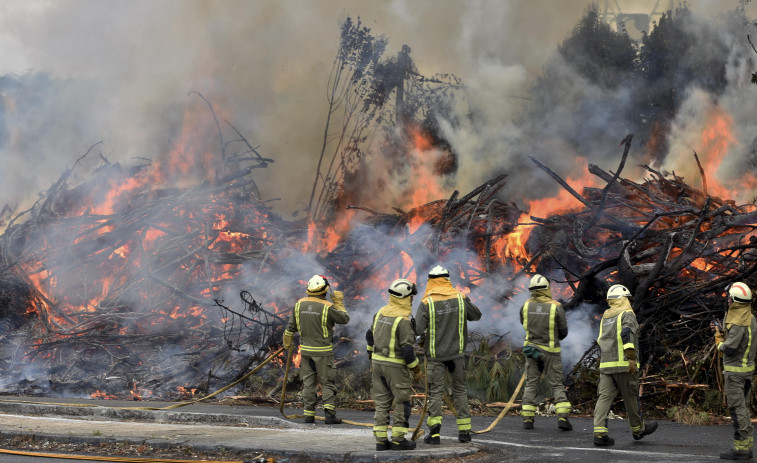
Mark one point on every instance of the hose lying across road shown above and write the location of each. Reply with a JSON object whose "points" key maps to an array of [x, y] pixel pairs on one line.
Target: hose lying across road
{"points": [[418, 432]]}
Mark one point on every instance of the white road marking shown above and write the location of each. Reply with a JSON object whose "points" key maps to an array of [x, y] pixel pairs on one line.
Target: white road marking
{"points": [[636, 453]]}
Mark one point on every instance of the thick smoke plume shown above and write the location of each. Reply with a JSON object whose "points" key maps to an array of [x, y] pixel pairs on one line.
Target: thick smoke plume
{"points": [[128, 74]]}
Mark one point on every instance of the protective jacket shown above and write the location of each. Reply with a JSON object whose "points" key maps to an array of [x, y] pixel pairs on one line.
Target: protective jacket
{"points": [[314, 317], [740, 346], [442, 318], [391, 337], [544, 321], [618, 331]]}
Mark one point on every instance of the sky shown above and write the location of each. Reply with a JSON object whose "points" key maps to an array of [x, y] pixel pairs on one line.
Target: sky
{"points": [[121, 72]]}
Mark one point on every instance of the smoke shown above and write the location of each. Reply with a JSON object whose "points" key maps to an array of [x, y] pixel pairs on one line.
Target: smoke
{"points": [[77, 72], [80, 71]]}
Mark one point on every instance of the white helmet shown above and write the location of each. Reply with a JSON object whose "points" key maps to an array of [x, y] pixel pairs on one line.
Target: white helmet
{"points": [[740, 292], [438, 272], [317, 285], [402, 288], [618, 291], [538, 282]]}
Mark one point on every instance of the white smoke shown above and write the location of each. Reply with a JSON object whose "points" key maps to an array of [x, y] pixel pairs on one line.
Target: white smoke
{"points": [[120, 72]]}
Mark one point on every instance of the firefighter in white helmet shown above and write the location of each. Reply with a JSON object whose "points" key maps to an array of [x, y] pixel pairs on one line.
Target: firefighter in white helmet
{"points": [[738, 346], [618, 367], [544, 320], [314, 318], [391, 347], [442, 319]]}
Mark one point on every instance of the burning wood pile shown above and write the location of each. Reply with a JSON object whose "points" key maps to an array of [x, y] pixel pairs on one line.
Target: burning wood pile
{"points": [[129, 293], [675, 247]]}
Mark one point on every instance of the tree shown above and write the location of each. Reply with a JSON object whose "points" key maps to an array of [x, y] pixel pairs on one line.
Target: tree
{"points": [[351, 91]]}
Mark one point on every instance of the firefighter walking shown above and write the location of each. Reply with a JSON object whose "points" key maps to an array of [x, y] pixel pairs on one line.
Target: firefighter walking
{"points": [[442, 319], [391, 348], [544, 321], [618, 367], [738, 346], [314, 318]]}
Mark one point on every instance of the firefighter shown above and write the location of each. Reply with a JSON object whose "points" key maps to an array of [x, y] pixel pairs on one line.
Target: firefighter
{"points": [[738, 347], [442, 321], [314, 318], [391, 348], [618, 367], [544, 321]]}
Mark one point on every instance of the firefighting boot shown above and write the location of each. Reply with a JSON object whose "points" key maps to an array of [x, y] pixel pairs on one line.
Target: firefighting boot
{"points": [[649, 428], [331, 417], [741, 450], [404, 444], [603, 440], [563, 424], [384, 445], [309, 416], [463, 436], [528, 424], [736, 455], [433, 435]]}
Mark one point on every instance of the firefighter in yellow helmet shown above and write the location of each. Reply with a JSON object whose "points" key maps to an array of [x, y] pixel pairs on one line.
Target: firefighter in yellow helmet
{"points": [[618, 367], [442, 319], [391, 347], [543, 318], [738, 347], [314, 318]]}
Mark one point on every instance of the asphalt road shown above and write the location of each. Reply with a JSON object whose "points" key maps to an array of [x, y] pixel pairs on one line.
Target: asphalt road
{"points": [[506, 442]]}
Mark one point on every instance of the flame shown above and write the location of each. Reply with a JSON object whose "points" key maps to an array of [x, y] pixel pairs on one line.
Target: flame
{"points": [[423, 158], [102, 395], [512, 246]]}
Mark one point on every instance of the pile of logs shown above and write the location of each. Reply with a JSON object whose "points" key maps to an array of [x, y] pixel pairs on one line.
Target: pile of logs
{"points": [[133, 298]]}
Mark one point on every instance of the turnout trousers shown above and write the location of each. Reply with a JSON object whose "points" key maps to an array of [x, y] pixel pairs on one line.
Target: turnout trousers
{"points": [[551, 366], [737, 387], [391, 385], [313, 369], [609, 386], [436, 371]]}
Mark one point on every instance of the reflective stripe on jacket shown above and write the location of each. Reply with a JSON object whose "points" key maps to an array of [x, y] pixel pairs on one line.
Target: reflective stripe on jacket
{"points": [[739, 348], [389, 336], [545, 325], [314, 318], [611, 342], [444, 324]]}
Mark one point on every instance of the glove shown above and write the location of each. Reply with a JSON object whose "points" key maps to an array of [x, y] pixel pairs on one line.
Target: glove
{"points": [[633, 367], [287, 341], [417, 373], [718, 337], [531, 352], [337, 297]]}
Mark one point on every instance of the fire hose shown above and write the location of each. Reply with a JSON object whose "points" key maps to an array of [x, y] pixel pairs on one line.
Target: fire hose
{"points": [[417, 432], [283, 396], [507, 406]]}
